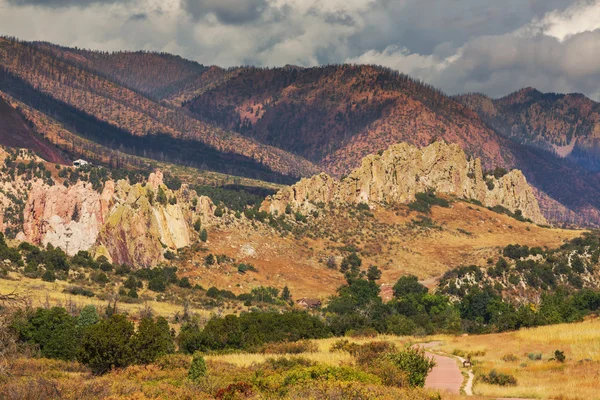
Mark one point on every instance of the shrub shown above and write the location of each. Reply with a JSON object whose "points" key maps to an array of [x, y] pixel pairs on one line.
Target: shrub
{"points": [[362, 333], [157, 284], [363, 207], [209, 259], [424, 201], [340, 345], [54, 331], [498, 378], [79, 291], [185, 283], [197, 368], [535, 356], [203, 235], [559, 356], [286, 364], [414, 363], [107, 345], [367, 353], [49, 276], [88, 316], [235, 391], [100, 277], [510, 358], [152, 340], [299, 347]]}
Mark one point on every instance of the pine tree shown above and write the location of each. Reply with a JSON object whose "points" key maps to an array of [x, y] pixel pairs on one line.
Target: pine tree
{"points": [[285, 294], [198, 368], [88, 316], [204, 235]]}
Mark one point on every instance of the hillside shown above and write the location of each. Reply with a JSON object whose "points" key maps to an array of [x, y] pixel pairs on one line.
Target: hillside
{"points": [[336, 115], [15, 132], [566, 124], [115, 116], [145, 221]]}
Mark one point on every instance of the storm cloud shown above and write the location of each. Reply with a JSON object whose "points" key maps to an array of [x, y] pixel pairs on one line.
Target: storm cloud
{"points": [[459, 46], [227, 11], [60, 3]]}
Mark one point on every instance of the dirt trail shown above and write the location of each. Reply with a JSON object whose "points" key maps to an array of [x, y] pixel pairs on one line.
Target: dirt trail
{"points": [[445, 376]]}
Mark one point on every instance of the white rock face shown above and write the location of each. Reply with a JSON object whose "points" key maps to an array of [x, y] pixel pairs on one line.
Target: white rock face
{"points": [[402, 171], [125, 222], [69, 218]]}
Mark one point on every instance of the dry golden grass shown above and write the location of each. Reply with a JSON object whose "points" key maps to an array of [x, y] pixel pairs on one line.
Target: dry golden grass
{"points": [[41, 294], [577, 378]]}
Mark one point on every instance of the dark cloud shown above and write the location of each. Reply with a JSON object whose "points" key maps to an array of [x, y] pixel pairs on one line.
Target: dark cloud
{"points": [[421, 25], [61, 3], [458, 45], [138, 17], [227, 11]]}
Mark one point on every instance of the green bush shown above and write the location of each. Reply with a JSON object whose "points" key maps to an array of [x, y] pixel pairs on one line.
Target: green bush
{"points": [[424, 201], [152, 340], [157, 284], [414, 363], [498, 378], [88, 316], [299, 347], [54, 331], [49, 276], [107, 344]]}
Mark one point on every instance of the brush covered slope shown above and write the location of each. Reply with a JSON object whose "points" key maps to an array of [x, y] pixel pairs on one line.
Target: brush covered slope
{"points": [[108, 113], [16, 132], [566, 124]]}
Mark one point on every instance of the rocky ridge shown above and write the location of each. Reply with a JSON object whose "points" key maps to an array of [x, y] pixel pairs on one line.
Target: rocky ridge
{"points": [[131, 224], [397, 174]]}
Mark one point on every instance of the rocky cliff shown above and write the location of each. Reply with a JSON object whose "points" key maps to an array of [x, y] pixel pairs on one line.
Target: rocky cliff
{"points": [[399, 173], [132, 224]]}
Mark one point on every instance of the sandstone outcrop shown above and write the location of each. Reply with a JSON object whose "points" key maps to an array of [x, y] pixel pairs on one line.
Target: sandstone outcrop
{"points": [[399, 173], [126, 223]]}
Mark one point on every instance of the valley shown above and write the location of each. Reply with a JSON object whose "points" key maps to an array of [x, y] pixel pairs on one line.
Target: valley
{"points": [[289, 232]]}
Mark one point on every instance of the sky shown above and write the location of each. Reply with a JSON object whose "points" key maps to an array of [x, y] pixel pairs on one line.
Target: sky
{"points": [[489, 46]]}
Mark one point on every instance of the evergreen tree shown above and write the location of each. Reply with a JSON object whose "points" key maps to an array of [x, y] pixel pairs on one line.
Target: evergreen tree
{"points": [[54, 331], [373, 274], [285, 294], [152, 340], [161, 196], [107, 345], [88, 316], [198, 368]]}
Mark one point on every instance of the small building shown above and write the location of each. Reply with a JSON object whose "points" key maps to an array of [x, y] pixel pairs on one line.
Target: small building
{"points": [[80, 163], [308, 303]]}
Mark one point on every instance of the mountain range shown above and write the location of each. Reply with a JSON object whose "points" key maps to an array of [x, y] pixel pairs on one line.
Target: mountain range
{"points": [[281, 124]]}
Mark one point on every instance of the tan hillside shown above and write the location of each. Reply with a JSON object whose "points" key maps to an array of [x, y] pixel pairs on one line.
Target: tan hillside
{"points": [[395, 239]]}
